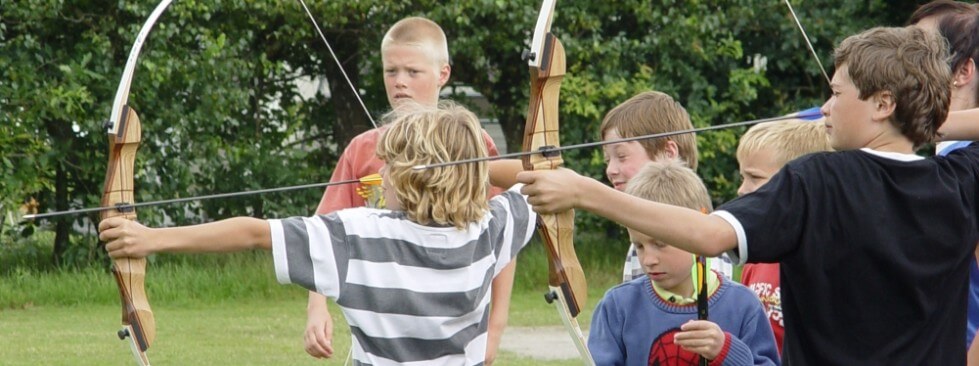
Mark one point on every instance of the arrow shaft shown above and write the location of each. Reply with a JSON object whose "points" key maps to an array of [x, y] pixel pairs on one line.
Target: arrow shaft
{"points": [[188, 199]]}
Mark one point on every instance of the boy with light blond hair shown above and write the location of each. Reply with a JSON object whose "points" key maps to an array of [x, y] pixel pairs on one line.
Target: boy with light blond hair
{"points": [[415, 60], [412, 279], [652, 320], [874, 241], [762, 152]]}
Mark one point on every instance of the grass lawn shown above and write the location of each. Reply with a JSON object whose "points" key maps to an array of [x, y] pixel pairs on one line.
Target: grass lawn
{"points": [[254, 332], [212, 311]]}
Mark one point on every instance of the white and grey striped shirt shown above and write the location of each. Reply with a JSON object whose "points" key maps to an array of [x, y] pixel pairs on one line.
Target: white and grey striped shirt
{"points": [[412, 294]]}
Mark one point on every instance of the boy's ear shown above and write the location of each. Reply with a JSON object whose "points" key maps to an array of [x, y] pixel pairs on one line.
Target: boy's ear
{"points": [[965, 74], [671, 150], [885, 105], [444, 72]]}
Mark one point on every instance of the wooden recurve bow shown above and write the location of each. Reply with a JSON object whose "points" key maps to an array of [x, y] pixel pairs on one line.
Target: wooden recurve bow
{"points": [[566, 279], [125, 132]]}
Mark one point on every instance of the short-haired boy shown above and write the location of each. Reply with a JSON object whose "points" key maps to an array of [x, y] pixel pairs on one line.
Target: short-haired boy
{"points": [[648, 113], [415, 60], [762, 152], [413, 280], [651, 320], [874, 241]]}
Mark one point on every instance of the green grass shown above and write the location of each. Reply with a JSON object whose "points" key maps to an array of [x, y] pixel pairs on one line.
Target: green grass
{"points": [[223, 310], [253, 332]]}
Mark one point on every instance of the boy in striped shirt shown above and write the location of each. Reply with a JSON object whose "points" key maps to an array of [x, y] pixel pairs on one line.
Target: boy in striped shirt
{"points": [[413, 280]]}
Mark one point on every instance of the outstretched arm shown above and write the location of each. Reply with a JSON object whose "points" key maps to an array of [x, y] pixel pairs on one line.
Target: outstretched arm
{"points": [[690, 230], [503, 173], [961, 125], [124, 238]]}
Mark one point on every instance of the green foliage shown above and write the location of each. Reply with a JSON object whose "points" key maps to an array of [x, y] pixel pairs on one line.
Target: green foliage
{"points": [[215, 87]]}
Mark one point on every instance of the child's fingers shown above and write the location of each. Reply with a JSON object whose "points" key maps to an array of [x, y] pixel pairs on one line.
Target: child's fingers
{"points": [[704, 346], [526, 177], [109, 224], [549, 191], [123, 238], [319, 336], [693, 336], [317, 345], [116, 249], [702, 337], [698, 325]]}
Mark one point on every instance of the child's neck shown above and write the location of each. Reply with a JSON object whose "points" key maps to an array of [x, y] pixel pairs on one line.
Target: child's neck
{"points": [[891, 142]]}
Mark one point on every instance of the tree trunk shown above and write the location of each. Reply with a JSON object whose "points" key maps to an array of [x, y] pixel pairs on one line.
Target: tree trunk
{"points": [[62, 225], [351, 119]]}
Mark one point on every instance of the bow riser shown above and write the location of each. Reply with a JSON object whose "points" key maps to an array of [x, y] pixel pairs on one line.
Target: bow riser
{"points": [[137, 318], [542, 129], [566, 279], [543, 126]]}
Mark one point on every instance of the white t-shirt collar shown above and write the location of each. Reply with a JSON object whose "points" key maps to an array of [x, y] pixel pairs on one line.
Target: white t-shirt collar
{"points": [[892, 155]]}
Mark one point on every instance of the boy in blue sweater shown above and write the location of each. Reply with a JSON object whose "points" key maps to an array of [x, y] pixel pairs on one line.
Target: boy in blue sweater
{"points": [[651, 319]]}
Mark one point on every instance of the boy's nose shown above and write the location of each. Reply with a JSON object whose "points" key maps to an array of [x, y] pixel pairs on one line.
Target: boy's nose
{"points": [[743, 189], [649, 260], [611, 168]]}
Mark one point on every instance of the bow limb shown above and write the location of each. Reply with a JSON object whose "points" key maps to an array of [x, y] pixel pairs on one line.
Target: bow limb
{"points": [[125, 133], [566, 278]]}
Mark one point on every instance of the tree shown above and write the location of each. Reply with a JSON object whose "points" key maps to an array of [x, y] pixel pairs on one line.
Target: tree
{"points": [[216, 87]]}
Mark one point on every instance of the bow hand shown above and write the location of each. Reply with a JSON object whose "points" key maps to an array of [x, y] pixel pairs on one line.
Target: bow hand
{"points": [[552, 191], [126, 238]]}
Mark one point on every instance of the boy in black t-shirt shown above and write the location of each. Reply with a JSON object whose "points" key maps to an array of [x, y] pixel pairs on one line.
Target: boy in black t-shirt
{"points": [[874, 241]]}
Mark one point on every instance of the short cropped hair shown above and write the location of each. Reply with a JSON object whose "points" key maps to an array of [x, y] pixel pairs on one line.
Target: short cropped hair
{"points": [[422, 33], [670, 181], [910, 64], [788, 139], [649, 113], [447, 196]]}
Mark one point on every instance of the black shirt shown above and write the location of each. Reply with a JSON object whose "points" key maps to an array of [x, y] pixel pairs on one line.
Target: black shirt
{"points": [[874, 253]]}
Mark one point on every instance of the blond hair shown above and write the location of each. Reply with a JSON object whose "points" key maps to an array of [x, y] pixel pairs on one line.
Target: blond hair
{"points": [[447, 196], [788, 139], [649, 113], [910, 64], [670, 181], [421, 33]]}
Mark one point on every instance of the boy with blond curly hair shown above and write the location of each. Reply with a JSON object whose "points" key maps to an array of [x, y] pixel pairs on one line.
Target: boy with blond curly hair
{"points": [[413, 279], [415, 60]]}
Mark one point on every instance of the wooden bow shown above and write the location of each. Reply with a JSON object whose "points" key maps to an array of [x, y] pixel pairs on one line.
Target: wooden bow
{"points": [[566, 279], [125, 133]]}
